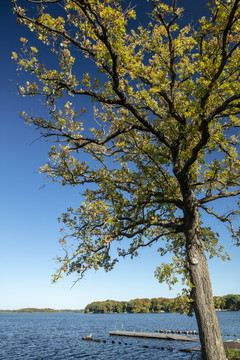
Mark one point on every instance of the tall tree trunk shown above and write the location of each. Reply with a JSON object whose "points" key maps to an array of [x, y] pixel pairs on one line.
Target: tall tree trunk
{"points": [[210, 336], [201, 293]]}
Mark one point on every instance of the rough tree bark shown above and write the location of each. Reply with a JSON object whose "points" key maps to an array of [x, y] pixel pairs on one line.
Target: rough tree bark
{"points": [[201, 293]]}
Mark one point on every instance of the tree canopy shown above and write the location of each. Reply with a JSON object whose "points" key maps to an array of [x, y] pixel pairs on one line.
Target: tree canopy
{"points": [[163, 147], [169, 108]]}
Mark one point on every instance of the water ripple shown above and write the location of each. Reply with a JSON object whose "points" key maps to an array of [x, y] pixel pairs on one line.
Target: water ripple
{"points": [[59, 336]]}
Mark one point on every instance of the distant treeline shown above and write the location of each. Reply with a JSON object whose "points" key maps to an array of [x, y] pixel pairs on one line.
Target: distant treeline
{"points": [[179, 304], [35, 310]]}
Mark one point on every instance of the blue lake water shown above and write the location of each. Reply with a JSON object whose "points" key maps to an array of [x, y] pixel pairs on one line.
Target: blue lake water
{"points": [[59, 335]]}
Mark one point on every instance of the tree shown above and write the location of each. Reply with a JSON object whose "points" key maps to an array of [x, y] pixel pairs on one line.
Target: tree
{"points": [[155, 305], [232, 302], [219, 302], [164, 146], [134, 306]]}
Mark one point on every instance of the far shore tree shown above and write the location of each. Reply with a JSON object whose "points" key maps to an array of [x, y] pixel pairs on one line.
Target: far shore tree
{"points": [[159, 152], [228, 302]]}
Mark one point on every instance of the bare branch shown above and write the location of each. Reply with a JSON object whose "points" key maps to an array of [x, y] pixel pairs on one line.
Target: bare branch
{"points": [[221, 195]]}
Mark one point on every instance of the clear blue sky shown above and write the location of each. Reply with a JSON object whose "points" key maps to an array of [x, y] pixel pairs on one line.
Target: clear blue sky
{"points": [[29, 230]]}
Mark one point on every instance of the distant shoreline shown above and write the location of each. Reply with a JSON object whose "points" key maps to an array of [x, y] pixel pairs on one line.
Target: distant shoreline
{"points": [[230, 302], [52, 311]]}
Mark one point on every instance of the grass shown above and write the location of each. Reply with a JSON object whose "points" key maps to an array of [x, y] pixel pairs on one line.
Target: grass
{"points": [[233, 354]]}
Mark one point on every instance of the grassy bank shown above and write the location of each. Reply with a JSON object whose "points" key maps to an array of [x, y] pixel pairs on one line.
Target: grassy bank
{"points": [[233, 354]]}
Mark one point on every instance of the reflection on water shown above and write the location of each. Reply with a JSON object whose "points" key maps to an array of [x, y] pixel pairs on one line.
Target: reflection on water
{"points": [[59, 336]]}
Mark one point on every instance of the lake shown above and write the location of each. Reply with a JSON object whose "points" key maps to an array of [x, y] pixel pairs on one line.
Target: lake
{"points": [[59, 335]]}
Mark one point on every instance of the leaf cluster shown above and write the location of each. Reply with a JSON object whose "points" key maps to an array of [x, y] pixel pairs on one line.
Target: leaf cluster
{"points": [[165, 124]]}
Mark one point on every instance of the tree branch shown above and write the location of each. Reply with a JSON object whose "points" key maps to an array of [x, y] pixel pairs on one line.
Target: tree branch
{"points": [[224, 54], [221, 195]]}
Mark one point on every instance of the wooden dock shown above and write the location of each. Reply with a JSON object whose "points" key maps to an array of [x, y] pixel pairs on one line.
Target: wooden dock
{"points": [[147, 335]]}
